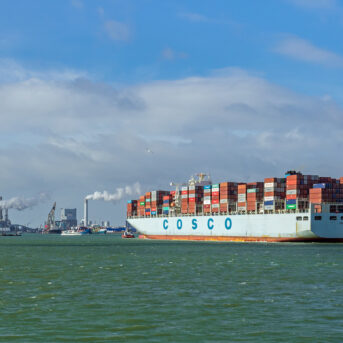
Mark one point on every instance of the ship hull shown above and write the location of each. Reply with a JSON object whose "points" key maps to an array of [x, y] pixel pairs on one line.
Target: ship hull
{"points": [[281, 227]]}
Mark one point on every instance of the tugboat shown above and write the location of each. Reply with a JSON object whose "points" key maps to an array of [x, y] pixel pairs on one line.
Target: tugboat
{"points": [[127, 234]]}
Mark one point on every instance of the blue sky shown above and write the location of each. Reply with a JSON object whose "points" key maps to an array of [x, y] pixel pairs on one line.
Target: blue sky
{"points": [[133, 41], [242, 89]]}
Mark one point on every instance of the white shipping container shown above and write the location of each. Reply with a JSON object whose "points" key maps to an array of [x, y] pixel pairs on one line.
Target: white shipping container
{"points": [[207, 198], [241, 197], [269, 207], [291, 192], [207, 202], [184, 188], [223, 201], [184, 196], [270, 198], [215, 189], [269, 189], [215, 205], [241, 208], [191, 188]]}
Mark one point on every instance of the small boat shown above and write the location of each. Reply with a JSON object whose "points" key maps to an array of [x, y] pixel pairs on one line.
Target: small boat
{"points": [[10, 233], [127, 234], [100, 231], [76, 232]]}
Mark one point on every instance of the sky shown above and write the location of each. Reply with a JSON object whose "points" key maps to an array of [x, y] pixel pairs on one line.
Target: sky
{"points": [[97, 95]]}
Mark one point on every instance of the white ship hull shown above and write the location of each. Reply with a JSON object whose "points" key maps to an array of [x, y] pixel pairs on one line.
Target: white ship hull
{"points": [[247, 227]]}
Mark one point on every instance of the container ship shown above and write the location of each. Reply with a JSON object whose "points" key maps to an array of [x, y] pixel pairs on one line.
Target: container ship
{"points": [[295, 207]]}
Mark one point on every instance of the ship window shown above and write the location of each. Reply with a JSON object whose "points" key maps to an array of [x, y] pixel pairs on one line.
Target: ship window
{"points": [[317, 217], [299, 218], [305, 218], [342, 218], [333, 218], [333, 208], [340, 209]]}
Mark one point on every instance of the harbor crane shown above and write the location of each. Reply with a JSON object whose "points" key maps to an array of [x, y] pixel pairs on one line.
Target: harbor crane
{"points": [[50, 224]]}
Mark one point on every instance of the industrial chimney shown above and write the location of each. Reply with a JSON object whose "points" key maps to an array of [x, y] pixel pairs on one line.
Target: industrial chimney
{"points": [[85, 213], [1, 210]]}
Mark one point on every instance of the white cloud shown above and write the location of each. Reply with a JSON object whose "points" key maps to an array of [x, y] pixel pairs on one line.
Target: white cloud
{"points": [[170, 54], [316, 4], [193, 17], [77, 4], [74, 136], [117, 31], [304, 50]]}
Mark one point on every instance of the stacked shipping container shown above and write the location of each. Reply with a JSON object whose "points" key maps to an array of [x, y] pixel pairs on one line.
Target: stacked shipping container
{"points": [[274, 193], [131, 208], [254, 196], [215, 198], [290, 193], [207, 199], [242, 197], [297, 190], [195, 198], [228, 196], [166, 204], [184, 200], [141, 206]]}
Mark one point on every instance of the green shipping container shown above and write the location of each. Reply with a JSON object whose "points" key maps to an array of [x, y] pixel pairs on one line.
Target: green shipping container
{"points": [[291, 207], [142, 203], [215, 185], [147, 200], [165, 208], [252, 190]]}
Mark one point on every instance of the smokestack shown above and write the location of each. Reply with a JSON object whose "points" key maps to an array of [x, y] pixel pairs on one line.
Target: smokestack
{"points": [[6, 215], [85, 213]]}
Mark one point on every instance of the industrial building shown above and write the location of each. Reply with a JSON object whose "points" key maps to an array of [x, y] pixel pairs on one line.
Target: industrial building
{"points": [[68, 218]]}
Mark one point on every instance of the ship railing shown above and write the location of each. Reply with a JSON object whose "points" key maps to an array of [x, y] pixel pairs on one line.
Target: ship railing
{"points": [[207, 214]]}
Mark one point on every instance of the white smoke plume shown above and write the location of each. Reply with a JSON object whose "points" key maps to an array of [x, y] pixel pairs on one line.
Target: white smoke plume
{"points": [[21, 204], [119, 194]]}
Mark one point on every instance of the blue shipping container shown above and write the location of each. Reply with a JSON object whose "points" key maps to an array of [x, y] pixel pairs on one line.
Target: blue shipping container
{"points": [[291, 202], [271, 202], [129, 201], [319, 185], [153, 212], [207, 187]]}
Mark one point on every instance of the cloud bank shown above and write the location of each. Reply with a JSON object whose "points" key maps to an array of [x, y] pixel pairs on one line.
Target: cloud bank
{"points": [[76, 135]]}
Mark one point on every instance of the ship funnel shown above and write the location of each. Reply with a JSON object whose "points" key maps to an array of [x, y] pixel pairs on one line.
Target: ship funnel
{"points": [[85, 213], [6, 215]]}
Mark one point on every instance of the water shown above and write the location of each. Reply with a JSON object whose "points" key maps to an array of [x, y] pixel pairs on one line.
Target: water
{"points": [[105, 289]]}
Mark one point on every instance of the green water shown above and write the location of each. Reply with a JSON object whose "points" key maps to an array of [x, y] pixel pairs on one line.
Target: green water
{"points": [[105, 289]]}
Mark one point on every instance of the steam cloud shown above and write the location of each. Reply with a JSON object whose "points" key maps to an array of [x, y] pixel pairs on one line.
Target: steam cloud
{"points": [[119, 194], [20, 204]]}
